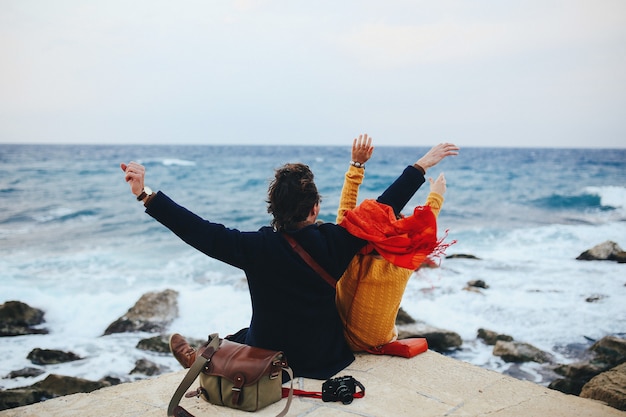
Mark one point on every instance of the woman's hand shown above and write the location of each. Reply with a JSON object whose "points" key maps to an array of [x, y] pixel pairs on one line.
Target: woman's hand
{"points": [[135, 174], [362, 149], [436, 154], [439, 185]]}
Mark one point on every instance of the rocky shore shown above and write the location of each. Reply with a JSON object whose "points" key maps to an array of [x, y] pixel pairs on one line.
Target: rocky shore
{"points": [[428, 385], [600, 374]]}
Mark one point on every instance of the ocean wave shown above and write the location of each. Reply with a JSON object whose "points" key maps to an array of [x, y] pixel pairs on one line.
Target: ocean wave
{"points": [[178, 162], [571, 202], [62, 214], [46, 216], [605, 198], [168, 162], [16, 218]]}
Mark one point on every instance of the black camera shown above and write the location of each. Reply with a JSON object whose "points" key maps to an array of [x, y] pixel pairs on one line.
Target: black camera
{"points": [[340, 389]]}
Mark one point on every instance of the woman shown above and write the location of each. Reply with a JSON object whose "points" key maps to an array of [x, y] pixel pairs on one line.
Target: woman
{"points": [[370, 291]]}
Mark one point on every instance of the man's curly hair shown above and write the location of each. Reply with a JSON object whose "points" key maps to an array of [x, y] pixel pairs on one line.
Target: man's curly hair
{"points": [[291, 196]]}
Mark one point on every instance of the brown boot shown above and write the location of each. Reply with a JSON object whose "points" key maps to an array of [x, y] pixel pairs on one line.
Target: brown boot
{"points": [[182, 351]]}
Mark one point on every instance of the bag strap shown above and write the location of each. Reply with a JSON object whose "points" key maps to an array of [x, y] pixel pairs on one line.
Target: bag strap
{"points": [[290, 395], [310, 261], [176, 410]]}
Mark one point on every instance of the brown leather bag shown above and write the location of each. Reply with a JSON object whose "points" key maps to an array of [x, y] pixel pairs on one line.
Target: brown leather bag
{"points": [[235, 375]]}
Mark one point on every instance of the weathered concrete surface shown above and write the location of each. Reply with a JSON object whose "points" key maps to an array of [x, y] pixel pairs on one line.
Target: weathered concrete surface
{"points": [[427, 385]]}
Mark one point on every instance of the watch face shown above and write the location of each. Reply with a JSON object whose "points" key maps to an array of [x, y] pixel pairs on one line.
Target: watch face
{"points": [[147, 190]]}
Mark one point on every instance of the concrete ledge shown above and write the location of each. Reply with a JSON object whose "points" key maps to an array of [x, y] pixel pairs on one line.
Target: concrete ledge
{"points": [[427, 385]]}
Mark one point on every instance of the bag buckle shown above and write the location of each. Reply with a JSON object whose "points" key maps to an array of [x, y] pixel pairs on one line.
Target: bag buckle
{"points": [[280, 363]]}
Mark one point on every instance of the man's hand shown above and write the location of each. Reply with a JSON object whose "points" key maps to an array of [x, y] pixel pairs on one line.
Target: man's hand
{"points": [[135, 174]]}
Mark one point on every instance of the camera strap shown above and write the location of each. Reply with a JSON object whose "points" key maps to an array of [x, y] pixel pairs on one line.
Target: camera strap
{"points": [[318, 394]]}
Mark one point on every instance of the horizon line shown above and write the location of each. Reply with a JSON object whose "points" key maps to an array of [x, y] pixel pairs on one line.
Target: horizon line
{"points": [[300, 145]]}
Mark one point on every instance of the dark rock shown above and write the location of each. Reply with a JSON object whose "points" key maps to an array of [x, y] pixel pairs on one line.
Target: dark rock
{"points": [[474, 285], [159, 344], [581, 371], [403, 317], [146, 367], [17, 319], [19, 397], [576, 375], [607, 251], [51, 356], [595, 298], [153, 312], [111, 380], [478, 283], [462, 256], [520, 352], [59, 385], [438, 339], [9, 330], [25, 373], [51, 387], [610, 349], [490, 337], [609, 387], [21, 314], [567, 386], [603, 355]]}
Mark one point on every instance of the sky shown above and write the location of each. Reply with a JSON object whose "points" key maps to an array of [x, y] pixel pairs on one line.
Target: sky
{"points": [[520, 73]]}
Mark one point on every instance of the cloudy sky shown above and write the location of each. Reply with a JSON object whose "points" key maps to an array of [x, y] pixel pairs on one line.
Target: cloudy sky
{"points": [[548, 73]]}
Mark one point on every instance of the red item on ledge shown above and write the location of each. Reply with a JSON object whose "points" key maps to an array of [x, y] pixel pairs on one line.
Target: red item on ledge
{"points": [[407, 348]]}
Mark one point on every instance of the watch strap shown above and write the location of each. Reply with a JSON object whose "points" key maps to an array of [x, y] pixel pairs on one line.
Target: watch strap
{"points": [[141, 196], [147, 191]]}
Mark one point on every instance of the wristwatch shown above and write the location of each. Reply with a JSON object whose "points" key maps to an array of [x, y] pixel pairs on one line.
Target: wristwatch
{"points": [[146, 192]]}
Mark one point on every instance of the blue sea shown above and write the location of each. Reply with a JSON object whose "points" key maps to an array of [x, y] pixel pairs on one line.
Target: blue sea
{"points": [[75, 243]]}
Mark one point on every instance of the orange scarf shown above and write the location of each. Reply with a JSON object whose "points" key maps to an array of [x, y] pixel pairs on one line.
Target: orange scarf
{"points": [[406, 242]]}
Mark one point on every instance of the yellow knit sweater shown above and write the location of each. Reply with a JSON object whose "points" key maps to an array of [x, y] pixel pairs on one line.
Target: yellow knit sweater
{"points": [[370, 291]]}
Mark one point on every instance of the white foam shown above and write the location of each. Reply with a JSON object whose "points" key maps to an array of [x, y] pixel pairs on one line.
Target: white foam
{"points": [[610, 195], [537, 289], [177, 162]]}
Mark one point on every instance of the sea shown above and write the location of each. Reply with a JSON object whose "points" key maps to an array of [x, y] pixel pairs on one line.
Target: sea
{"points": [[75, 243]]}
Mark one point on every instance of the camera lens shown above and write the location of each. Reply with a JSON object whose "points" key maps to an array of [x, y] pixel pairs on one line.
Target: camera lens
{"points": [[344, 394]]}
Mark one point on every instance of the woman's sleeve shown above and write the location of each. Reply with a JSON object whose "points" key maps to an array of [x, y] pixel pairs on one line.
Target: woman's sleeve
{"points": [[349, 192], [435, 202]]}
